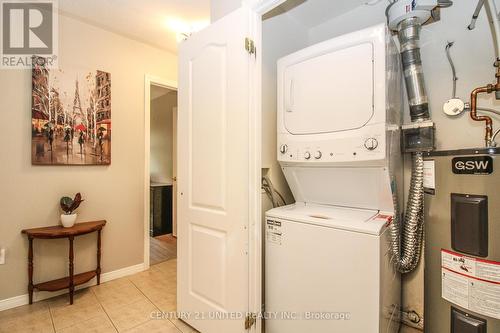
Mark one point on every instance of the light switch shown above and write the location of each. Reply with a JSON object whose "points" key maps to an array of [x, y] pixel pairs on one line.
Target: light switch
{"points": [[2, 256]]}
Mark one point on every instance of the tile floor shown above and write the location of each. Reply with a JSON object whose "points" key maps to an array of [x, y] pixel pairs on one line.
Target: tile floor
{"points": [[122, 305]]}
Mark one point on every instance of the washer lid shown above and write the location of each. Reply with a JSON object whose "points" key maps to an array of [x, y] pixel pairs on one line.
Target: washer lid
{"points": [[349, 219]]}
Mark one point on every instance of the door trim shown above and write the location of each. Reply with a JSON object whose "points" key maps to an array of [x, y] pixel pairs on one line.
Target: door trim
{"points": [[255, 297], [169, 84], [255, 260], [260, 7], [257, 10]]}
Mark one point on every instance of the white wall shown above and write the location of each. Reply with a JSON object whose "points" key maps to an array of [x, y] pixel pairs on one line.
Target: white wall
{"points": [[292, 37], [220, 8], [29, 195], [472, 53], [161, 137]]}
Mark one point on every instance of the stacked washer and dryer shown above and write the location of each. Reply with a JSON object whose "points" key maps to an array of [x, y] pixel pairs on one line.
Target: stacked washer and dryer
{"points": [[328, 263], [333, 257]]}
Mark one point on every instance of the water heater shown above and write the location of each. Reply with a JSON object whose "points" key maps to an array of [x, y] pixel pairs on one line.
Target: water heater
{"points": [[462, 251]]}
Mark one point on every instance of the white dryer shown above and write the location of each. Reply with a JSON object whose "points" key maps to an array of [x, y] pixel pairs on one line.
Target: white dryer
{"points": [[339, 106]]}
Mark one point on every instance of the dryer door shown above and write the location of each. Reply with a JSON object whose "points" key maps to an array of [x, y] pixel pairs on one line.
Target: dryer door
{"points": [[330, 92]]}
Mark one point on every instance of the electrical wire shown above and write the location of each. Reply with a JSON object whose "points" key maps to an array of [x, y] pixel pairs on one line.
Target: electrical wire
{"points": [[497, 112], [455, 79], [453, 71], [274, 195], [495, 135], [271, 197]]}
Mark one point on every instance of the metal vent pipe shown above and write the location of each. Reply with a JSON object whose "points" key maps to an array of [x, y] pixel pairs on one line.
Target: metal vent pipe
{"points": [[409, 38], [407, 233]]}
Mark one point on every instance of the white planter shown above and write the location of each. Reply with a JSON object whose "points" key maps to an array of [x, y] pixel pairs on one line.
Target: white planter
{"points": [[68, 220]]}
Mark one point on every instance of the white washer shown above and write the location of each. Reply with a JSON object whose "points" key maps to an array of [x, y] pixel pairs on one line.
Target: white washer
{"points": [[327, 270], [339, 113]]}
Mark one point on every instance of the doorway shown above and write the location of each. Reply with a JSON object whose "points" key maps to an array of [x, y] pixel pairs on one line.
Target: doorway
{"points": [[160, 222]]}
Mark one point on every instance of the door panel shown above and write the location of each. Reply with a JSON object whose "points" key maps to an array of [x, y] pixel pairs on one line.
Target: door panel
{"points": [[214, 175], [208, 247], [208, 116]]}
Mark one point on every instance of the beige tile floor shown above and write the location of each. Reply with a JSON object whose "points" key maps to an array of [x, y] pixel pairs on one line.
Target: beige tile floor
{"points": [[123, 305]]}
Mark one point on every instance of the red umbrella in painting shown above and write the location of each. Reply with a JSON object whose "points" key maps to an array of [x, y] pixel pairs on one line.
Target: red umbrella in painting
{"points": [[80, 127]]}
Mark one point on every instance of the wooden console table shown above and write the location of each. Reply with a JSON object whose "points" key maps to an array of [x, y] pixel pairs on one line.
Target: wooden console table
{"points": [[72, 280]]}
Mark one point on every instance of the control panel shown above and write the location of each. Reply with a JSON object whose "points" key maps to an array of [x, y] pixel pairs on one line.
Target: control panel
{"points": [[370, 146]]}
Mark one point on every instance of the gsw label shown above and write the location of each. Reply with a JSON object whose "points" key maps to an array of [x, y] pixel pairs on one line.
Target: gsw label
{"points": [[472, 165]]}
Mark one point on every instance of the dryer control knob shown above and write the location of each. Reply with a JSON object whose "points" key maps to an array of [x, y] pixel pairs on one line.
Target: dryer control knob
{"points": [[371, 143], [283, 149], [307, 155], [317, 155]]}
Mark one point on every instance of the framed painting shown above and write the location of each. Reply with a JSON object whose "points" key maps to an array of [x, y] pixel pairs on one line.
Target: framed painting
{"points": [[70, 116]]}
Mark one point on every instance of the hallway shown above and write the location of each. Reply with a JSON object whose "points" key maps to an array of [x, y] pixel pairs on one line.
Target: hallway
{"points": [[162, 248]]}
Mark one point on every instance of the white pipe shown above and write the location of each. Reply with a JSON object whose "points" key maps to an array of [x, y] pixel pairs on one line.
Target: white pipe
{"points": [[493, 16], [472, 24]]}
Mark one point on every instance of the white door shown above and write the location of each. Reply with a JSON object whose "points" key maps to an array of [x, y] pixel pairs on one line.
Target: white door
{"points": [[214, 176], [174, 171]]}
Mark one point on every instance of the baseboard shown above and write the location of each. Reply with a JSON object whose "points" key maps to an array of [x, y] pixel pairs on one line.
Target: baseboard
{"points": [[16, 301], [113, 275]]}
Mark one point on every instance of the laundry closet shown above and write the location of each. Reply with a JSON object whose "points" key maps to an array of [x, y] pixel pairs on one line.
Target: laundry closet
{"points": [[337, 103], [228, 81], [228, 85]]}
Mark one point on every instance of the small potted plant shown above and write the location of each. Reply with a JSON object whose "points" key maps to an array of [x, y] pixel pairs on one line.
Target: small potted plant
{"points": [[69, 206]]}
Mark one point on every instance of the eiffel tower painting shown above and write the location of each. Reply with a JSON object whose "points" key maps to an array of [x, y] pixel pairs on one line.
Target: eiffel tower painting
{"points": [[71, 117], [78, 117]]}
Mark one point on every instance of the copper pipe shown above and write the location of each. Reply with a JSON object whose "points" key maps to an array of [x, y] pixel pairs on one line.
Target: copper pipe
{"points": [[473, 111], [497, 65]]}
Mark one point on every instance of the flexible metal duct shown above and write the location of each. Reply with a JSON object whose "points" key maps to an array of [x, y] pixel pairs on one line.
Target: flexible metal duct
{"points": [[407, 235]]}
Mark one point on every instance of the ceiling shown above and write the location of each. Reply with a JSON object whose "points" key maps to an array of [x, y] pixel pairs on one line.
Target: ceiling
{"points": [[311, 13], [149, 21], [157, 92], [158, 22]]}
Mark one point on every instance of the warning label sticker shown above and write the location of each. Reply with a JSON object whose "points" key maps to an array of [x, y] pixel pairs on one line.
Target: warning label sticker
{"points": [[273, 232], [471, 283], [430, 177]]}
